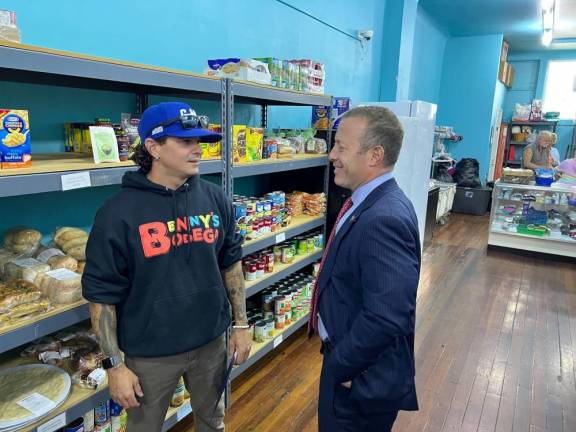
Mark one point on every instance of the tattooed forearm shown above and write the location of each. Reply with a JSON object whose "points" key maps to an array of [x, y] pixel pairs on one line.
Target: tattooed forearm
{"points": [[104, 324], [234, 281]]}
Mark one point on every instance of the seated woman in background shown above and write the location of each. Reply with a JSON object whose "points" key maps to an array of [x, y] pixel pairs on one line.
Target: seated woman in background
{"points": [[554, 153], [537, 154]]}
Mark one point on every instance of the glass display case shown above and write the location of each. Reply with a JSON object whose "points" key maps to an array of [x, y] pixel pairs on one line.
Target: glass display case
{"points": [[534, 218]]}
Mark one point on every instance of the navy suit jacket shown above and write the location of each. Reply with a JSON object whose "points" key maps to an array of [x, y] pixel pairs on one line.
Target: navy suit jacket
{"points": [[367, 301]]}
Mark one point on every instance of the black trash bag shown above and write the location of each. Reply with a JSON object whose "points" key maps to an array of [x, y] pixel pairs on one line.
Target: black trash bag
{"points": [[442, 174], [468, 173]]}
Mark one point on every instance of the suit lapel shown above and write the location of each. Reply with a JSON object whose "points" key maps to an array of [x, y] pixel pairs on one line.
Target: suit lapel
{"points": [[374, 196]]}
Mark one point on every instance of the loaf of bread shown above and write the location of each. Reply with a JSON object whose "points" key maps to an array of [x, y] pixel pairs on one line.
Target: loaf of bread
{"points": [[56, 259], [22, 240], [81, 265], [24, 268], [72, 241], [61, 286], [24, 311]]}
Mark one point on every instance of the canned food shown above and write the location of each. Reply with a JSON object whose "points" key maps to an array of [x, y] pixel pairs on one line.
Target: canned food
{"points": [[250, 273], [301, 246], [287, 255], [279, 304], [278, 254], [268, 303], [102, 413], [280, 320], [260, 331], [288, 317], [294, 315], [270, 327], [268, 314], [260, 268], [310, 242]]}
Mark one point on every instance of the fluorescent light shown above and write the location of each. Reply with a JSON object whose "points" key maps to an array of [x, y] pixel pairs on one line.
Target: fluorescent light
{"points": [[547, 5], [548, 19], [547, 37]]}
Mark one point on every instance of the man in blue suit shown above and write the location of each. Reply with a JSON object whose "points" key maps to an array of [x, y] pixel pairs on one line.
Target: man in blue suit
{"points": [[365, 299]]}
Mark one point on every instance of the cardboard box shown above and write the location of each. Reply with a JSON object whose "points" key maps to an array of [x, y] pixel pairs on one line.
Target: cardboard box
{"points": [[212, 150], [239, 143], [320, 113], [254, 144], [15, 149]]}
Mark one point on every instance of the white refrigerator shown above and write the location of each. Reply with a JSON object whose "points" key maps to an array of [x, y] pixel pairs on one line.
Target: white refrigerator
{"points": [[412, 171]]}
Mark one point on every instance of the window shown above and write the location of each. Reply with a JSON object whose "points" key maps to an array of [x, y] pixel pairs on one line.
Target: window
{"points": [[560, 89]]}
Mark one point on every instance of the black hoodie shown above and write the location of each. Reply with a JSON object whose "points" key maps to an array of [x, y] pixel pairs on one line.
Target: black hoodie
{"points": [[157, 255]]}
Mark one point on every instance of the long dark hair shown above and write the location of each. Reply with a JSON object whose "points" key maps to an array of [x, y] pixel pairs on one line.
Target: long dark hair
{"points": [[144, 159]]}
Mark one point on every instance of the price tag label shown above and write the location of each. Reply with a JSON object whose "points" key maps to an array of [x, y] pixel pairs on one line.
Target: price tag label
{"points": [[183, 412], [76, 181], [37, 404], [277, 341], [280, 238], [54, 424]]}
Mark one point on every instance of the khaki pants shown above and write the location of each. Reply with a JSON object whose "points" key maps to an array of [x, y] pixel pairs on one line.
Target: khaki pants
{"points": [[203, 370]]}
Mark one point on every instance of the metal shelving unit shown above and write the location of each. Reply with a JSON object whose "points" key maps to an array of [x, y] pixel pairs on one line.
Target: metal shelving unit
{"points": [[285, 271], [44, 326], [298, 227], [26, 64]]}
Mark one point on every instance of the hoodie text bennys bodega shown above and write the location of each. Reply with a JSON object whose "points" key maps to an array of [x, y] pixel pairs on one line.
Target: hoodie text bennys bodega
{"points": [[158, 237]]}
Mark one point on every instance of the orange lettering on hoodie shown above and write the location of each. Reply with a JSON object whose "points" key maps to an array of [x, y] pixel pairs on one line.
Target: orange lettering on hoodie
{"points": [[154, 239]]}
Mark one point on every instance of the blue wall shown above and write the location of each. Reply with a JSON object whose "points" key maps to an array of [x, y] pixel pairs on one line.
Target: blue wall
{"points": [[428, 59], [529, 82], [467, 94], [181, 35]]}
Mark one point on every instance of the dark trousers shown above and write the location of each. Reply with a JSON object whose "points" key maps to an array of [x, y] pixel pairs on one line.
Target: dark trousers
{"points": [[337, 412]]}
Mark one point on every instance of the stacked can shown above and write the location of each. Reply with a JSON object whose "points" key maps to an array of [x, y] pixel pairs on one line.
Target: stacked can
{"points": [[255, 266], [256, 217]]}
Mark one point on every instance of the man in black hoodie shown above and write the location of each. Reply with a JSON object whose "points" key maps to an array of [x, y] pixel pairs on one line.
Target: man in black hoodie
{"points": [[163, 268]]}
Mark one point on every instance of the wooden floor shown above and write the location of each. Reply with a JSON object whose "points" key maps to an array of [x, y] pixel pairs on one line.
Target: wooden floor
{"points": [[495, 347]]}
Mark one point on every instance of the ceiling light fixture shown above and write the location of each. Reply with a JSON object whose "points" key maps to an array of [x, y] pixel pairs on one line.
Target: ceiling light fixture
{"points": [[548, 7]]}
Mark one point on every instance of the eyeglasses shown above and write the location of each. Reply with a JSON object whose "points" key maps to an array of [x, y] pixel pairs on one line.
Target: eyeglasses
{"points": [[187, 121]]}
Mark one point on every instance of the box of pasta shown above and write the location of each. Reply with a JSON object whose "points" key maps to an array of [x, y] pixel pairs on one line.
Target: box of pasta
{"points": [[15, 151]]}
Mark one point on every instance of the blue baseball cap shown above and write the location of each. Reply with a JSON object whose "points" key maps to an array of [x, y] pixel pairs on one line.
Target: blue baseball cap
{"points": [[175, 119]]}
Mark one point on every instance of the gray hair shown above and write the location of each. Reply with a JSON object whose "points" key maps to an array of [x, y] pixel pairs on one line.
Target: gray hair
{"points": [[545, 133], [382, 129]]}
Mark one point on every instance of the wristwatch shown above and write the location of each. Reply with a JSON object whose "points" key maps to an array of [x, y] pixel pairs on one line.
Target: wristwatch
{"points": [[111, 362]]}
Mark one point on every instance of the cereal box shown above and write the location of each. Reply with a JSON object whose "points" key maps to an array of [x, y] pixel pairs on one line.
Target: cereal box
{"points": [[212, 150], [239, 143], [254, 144], [15, 149]]}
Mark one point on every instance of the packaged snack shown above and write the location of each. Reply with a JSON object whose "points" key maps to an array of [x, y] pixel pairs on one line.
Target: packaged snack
{"points": [[320, 117], [15, 151], [178, 396], [270, 148], [243, 69], [104, 143], [254, 144], [239, 143], [275, 69]]}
